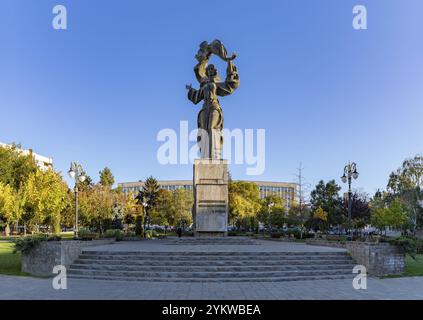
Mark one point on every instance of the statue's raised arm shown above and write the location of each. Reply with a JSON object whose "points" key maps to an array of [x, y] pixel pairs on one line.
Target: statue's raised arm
{"points": [[231, 82]]}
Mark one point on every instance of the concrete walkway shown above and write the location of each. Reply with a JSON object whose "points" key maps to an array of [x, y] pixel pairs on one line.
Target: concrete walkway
{"points": [[28, 288]]}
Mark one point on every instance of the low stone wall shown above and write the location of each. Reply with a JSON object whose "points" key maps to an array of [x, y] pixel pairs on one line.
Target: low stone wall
{"points": [[326, 243], [41, 260], [380, 259]]}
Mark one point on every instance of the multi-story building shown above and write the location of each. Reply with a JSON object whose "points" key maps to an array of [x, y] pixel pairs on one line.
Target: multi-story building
{"points": [[286, 191], [42, 162]]}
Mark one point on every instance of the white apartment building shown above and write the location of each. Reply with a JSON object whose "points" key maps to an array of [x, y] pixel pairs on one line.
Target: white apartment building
{"points": [[42, 162]]}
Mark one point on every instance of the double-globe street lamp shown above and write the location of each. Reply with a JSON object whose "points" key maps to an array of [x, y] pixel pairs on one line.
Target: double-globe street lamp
{"points": [[350, 172], [270, 206], [77, 173], [144, 205]]}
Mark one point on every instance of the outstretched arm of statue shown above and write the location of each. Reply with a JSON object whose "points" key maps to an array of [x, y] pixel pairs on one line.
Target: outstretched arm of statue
{"points": [[231, 82], [195, 96]]}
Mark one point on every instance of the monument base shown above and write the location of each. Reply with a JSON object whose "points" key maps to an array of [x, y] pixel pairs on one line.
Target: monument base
{"points": [[210, 234], [210, 198]]}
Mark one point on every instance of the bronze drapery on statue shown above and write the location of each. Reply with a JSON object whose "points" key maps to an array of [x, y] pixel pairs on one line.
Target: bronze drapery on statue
{"points": [[210, 117]]}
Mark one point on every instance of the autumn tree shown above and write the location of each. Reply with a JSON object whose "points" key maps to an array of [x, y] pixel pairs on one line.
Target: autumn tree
{"points": [[96, 207], [321, 218], [182, 203], [10, 207], [244, 202], [45, 195]]}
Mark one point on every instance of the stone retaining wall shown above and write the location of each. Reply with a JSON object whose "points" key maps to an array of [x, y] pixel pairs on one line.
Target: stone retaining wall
{"points": [[41, 260], [326, 243], [380, 259]]}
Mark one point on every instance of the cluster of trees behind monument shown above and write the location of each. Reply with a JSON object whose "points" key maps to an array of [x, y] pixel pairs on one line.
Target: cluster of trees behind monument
{"points": [[42, 202]]}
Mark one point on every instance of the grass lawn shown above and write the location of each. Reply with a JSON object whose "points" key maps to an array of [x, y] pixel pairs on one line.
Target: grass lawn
{"points": [[10, 263], [413, 267]]}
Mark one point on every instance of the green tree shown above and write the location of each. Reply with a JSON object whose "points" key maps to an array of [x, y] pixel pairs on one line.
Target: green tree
{"points": [[162, 212], [150, 191], [408, 177], [326, 196], [298, 216], [106, 177], [272, 213], [393, 216], [148, 195], [406, 183], [15, 168], [398, 218]]}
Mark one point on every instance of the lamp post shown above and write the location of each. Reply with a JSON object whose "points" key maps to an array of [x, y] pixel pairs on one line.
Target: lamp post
{"points": [[270, 206], [144, 205], [350, 171], [77, 173]]}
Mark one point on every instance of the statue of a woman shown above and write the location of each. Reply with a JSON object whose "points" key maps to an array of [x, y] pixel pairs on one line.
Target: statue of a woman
{"points": [[210, 117]]}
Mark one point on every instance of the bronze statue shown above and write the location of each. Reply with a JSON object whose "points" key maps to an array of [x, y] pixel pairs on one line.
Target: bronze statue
{"points": [[210, 117]]}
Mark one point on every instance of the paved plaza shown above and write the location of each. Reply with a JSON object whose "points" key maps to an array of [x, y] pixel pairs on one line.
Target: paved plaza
{"points": [[24, 288]]}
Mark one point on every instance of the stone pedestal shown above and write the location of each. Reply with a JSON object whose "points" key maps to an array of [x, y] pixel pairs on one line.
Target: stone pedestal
{"points": [[210, 198]]}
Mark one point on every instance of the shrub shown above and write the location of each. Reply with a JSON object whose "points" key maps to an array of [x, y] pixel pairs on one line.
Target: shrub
{"points": [[308, 235], [409, 245], [187, 233], [276, 235], [86, 234], [238, 233], [114, 233], [54, 238], [419, 245], [130, 234], [150, 234], [25, 244]]}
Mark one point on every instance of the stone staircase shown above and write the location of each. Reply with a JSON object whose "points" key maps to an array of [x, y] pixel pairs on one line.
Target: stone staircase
{"points": [[234, 266], [214, 241]]}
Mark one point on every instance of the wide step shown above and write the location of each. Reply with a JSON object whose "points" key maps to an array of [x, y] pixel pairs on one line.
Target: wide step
{"points": [[214, 266]]}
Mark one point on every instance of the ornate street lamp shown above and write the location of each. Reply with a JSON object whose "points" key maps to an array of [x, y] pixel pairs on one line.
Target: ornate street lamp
{"points": [[350, 171], [77, 173], [270, 206], [144, 205]]}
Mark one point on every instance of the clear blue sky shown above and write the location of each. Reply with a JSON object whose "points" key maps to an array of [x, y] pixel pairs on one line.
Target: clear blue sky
{"points": [[100, 91]]}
